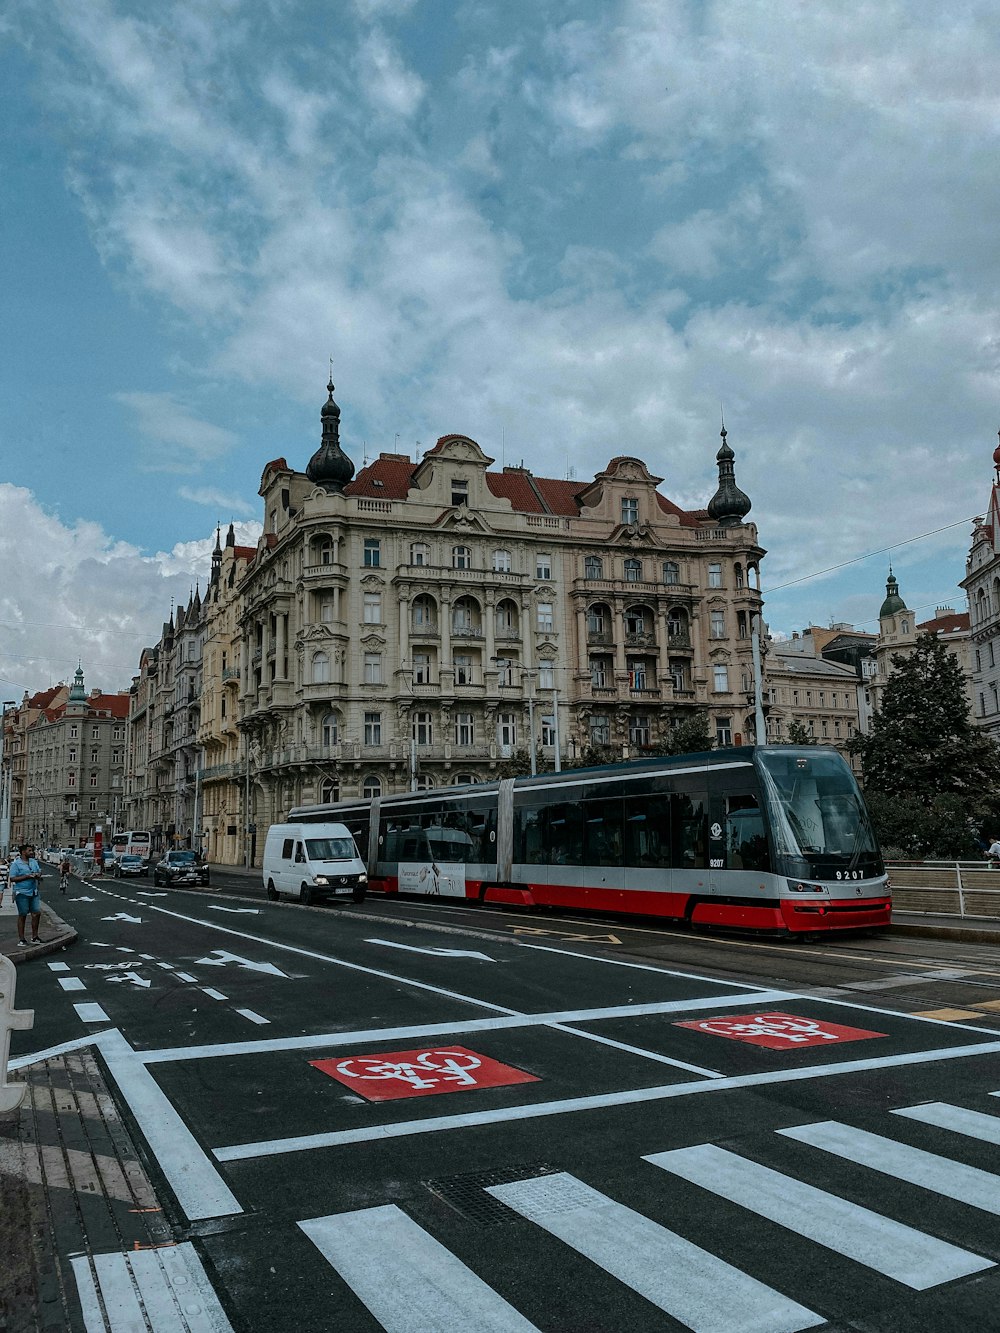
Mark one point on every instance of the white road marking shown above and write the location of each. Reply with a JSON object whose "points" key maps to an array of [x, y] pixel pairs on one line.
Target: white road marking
{"points": [[151, 893], [59, 967], [64, 1047], [71, 983], [214, 994], [599, 1101], [253, 1017], [133, 979], [638, 1050], [81, 899], [420, 1030], [220, 957], [973, 1124], [695, 1287], [169, 967], [406, 1278], [123, 948], [953, 1180], [90, 1013], [124, 916], [886, 1246], [186, 976], [174, 1288], [148, 957], [434, 952], [246, 911], [199, 1188]]}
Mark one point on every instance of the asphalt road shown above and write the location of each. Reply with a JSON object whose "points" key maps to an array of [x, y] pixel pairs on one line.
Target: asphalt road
{"points": [[416, 1115]]}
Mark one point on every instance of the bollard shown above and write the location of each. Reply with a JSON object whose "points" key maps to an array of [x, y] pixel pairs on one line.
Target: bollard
{"points": [[11, 1094]]}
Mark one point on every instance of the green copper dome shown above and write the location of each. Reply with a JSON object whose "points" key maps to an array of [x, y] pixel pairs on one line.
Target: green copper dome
{"points": [[893, 602]]}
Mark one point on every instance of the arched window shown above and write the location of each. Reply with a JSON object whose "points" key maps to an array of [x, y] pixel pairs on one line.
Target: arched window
{"points": [[501, 562], [329, 792], [420, 553], [325, 551], [676, 622], [463, 780], [423, 615], [329, 730], [507, 619], [593, 567], [633, 571], [598, 621], [465, 617], [371, 787], [424, 784], [638, 620], [320, 668], [981, 606], [461, 557]]}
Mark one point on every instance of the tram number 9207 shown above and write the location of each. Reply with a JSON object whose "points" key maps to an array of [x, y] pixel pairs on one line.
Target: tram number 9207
{"points": [[850, 874]]}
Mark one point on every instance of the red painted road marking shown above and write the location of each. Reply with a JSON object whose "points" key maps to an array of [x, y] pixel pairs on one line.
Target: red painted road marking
{"points": [[779, 1032], [388, 1076]]}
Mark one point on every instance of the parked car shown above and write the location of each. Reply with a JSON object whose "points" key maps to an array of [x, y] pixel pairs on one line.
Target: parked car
{"points": [[180, 867], [128, 866]]}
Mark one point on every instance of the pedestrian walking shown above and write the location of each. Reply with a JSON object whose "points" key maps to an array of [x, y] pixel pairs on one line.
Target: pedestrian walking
{"points": [[993, 853], [26, 877]]}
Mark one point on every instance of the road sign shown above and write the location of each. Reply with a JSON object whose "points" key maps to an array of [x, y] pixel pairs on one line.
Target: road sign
{"points": [[778, 1032], [389, 1076]]}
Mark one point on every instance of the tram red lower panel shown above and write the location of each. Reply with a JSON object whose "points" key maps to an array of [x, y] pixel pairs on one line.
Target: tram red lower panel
{"points": [[836, 915]]}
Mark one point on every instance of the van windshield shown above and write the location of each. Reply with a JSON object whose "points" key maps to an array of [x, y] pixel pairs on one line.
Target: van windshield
{"points": [[330, 849]]}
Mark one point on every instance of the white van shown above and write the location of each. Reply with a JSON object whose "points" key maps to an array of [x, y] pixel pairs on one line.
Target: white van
{"points": [[313, 861]]}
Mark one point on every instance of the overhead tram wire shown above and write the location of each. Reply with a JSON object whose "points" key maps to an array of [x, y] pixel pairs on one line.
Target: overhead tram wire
{"points": [[857, 559]]}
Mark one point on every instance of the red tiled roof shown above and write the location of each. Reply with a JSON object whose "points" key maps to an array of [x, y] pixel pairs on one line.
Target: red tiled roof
{"points": [[394, 471], [115, 704], [245, 552], [44, 697], [947, 624], [688, 517], [515, 487], [560, 496]]}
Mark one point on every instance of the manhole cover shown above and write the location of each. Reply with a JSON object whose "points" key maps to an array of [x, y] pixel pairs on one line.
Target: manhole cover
{"points": [[467, 1193]]}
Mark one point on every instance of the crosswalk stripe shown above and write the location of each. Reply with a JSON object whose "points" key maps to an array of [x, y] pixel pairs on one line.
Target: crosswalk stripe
{"points": [[695, 1287], [953, 1180], [406, 1278], [170, 1281], [974, 1124], [117, 1292], [878, 1242]]}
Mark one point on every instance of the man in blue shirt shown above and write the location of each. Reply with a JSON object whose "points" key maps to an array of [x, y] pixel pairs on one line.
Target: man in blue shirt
{"points": [[26, 877]]}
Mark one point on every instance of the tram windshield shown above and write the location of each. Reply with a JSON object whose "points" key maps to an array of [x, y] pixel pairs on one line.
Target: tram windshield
{"points": [[819, 823]]}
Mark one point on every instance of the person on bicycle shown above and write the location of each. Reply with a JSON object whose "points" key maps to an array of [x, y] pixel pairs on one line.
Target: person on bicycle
{"points": [[65, 866]]}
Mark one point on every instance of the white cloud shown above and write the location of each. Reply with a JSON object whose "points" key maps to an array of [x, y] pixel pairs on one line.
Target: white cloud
{"points": [[175, 440], [385, 79], [221, 501]]}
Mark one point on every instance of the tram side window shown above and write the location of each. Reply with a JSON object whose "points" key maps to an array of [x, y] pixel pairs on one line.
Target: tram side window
{"points": [[358, 829], [746, 838], [689, 830], [602, 832], [529, 841], [647, 831], [565, 834]]}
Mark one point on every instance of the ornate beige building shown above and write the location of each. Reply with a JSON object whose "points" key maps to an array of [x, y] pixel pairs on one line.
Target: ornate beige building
{"points": [[982, 588]]}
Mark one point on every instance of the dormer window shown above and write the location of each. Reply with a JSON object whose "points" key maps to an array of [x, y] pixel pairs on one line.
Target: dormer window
{"points": [[459, 492], [630, 509]]}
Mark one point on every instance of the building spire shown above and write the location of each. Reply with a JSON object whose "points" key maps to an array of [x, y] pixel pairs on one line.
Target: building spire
{"points": [[729, 505], [329, 466]]}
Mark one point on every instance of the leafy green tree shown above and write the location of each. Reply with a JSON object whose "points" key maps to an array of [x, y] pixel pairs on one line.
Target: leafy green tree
{"points": [[689, 732], [798, 735], [930, 776]]}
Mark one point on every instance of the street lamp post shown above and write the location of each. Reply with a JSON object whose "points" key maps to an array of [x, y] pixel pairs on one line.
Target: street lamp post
{"points": [[6, 780]]}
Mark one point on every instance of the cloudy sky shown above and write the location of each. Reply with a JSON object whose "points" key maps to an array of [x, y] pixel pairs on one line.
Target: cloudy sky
{"points": [[568, 228]]}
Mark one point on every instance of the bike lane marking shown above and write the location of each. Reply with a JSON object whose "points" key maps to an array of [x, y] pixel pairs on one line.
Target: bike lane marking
{"points": [[391, 1075]]}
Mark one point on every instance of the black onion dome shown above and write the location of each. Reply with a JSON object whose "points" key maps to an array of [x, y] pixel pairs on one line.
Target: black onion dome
{"points": [[893, 602], [729, 505], [329, 466]]}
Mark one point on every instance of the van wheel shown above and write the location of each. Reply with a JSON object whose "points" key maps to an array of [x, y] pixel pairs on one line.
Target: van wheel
{"points": [[307, 895], [272, 892]]}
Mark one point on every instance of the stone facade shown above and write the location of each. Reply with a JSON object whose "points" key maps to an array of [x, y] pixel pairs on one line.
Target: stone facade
{"points": [[982, 589]]}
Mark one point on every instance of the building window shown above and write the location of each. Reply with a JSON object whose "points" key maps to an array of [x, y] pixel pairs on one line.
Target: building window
{"points": [[598, 673], [738, 575], [795, 697], [600, 729], [373, 552], [636, 673], [633, 571], [548, 729], [95, 734], [677, 674], [723, 731], [329, 730], [990, 646], [422, 729], [717, 624], [715, 575], [421, 668], [93, 779], [836, 728], [546, 676], [905, 626], [720, 675], [423, 784], [501, 562], [671, 572], [372, 608], [373, 728], [95, 756], [320, 669], [464, 729], [74, 731], [326, 611], [593, 567], [824, 728], [461, 557], [371, 789], [459, 492], [71, 758], [638, 730], [545, 615], [463, 663], [505, 670], [507, 730], [119, 732], [373, 668], [463, 617], [420, 553], [630, 509], [92, 804], [329, 792], [543, 566], [463, 780], [741, 624], [424, 613], [326, 553]]}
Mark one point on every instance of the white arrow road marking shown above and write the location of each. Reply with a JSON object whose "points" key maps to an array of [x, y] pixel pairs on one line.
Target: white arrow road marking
{"points": [[146, 893], [132, 977], [251, 911], [108, 967], [79, 899], [220, 957], [124, 916], [434, 952]]}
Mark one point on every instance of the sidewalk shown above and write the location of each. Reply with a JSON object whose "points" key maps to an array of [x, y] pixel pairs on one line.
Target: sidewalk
{"points": [[53, 930]]}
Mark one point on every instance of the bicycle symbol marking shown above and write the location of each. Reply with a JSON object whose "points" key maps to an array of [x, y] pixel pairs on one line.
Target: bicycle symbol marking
{"points": [[387, 1075], [777, 1031]]}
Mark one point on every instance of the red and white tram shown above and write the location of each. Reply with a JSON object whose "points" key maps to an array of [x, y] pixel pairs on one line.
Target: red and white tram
{"points": [[773, 838]]}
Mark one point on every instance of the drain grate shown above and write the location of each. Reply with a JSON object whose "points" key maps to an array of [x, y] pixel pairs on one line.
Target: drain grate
{"points": [[467, 1193]]}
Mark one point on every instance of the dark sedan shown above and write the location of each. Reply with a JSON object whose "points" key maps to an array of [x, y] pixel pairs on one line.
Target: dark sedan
{"points": [[128, 866], [181, 867]]}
